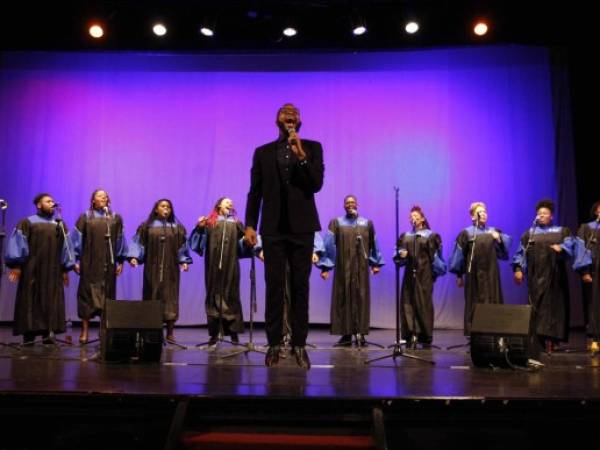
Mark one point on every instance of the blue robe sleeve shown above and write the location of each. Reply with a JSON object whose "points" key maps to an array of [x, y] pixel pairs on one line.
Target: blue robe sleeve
{"points": [[439, 265], [519, 261], [197, 240], [17, 249], [327, 260], [259, 245], [503, 247], [183, 254], [568, 247], [243, 251], [67, 255], [375, 256], [135, 250], [75, 240], [318, 244], [583, 256], [457, 260]]}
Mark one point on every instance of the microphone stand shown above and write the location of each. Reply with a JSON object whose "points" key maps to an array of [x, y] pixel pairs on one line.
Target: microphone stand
{"points": [[61, 225], [108, 237], [250, 346], [530, 242], [468, 279], [360, 252], [51, 337], [220, 298], [397, 349], [161, 272]]}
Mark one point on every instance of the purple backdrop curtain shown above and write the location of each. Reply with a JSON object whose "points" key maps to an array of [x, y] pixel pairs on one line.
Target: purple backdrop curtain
{"points": [[447, 127]]}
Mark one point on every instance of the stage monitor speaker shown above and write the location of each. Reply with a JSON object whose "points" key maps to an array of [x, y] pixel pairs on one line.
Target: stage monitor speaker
{"points": [[502, 335], [131, 329]]}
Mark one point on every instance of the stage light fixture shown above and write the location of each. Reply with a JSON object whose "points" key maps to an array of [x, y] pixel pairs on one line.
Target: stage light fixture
{"points": [[206, 31], [480, 28], [411, 27], [159, 29], [290, 31], [359, 30], [96, 31]]}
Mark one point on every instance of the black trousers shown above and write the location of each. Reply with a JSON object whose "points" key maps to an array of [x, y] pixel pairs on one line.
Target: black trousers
{"points": [[296, 250]]}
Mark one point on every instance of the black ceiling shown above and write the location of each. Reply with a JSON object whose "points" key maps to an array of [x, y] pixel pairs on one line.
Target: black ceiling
{"points": [[322, 24]]}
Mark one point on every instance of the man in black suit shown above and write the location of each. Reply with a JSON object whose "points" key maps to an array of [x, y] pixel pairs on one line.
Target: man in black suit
{"points": [[285, 176]]}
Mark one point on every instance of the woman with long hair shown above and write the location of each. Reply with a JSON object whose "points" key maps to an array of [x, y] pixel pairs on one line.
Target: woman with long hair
{"points": [[420, 251], [100, 249], [161, 245], [218, 238]]}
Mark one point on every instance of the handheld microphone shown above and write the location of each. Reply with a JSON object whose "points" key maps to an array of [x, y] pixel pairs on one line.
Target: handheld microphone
{"points": [[292, 134], [106, 211], [3, 204], [353, 212], [56, 205]]}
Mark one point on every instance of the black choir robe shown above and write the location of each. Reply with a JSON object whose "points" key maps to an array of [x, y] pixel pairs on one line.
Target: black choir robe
{"points": [[37, 247], [587, 261], [482, 281], [97, 276], [222, 246], [547, 282], [423, 264], [161, 246], [350, 247]]}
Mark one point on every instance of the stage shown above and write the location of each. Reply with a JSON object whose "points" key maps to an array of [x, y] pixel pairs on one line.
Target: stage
{"points": [[196, 392]]}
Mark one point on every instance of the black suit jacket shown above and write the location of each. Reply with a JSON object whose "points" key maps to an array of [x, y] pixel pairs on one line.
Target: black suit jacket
{"points": [[265, 187]]}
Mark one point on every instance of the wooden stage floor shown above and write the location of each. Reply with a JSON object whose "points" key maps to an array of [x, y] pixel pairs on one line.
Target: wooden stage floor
{"points": [[195, 394], [336, 372]]}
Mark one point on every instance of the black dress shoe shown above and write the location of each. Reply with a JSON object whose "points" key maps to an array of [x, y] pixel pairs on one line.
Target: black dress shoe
{"points": [[302, 357], [235, 338], [272, 357], [345, 341], [28, 339], [213, 341]]}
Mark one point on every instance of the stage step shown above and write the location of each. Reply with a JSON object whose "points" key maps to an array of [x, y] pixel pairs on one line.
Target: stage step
{"points": [[212, 440]]}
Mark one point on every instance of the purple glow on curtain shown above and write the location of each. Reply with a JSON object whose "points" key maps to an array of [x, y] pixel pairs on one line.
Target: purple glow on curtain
{"points": [[447, 127]]}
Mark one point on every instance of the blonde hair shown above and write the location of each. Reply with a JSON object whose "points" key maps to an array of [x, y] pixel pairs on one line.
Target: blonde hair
{"points": [[476, 205]]}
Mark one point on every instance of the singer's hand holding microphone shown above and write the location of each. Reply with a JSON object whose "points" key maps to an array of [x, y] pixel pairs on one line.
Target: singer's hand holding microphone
{"points": [[296, 143]]}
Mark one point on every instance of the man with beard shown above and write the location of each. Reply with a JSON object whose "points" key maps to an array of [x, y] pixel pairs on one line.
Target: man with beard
{"points": [[350, 247], [285, 175], [39, 258]]}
